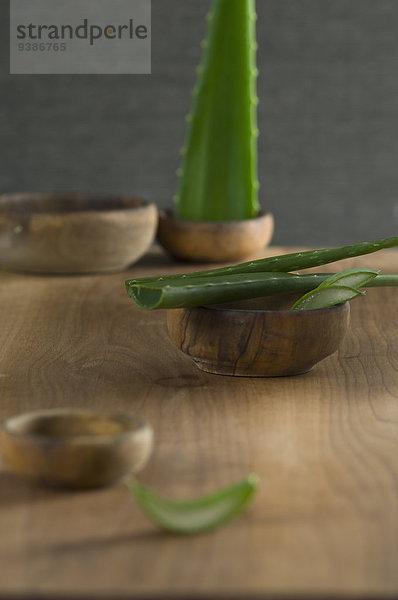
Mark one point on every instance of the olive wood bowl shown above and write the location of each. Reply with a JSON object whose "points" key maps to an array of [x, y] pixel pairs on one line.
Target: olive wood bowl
{"points": [[258, 338], [73, 233], [214, 241], [75, 448]]}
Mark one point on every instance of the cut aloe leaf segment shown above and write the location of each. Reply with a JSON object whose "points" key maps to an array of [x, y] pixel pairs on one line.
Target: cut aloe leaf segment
{"points": [[353, 278], [188, 293], [251, 279], [285, 262], [336, 289], [325, 297], [195, 516], [181, 293]]}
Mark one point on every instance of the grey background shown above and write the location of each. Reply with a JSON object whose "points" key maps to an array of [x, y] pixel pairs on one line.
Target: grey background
{"points": [[328, 117]]}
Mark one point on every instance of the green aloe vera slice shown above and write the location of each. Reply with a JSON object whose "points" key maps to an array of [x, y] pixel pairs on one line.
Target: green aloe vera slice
{"points": [[353, 278], [337, 288], [325, 297], [195, 516]]}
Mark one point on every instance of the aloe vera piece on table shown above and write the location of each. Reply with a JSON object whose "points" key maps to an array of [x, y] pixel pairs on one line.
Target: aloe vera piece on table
{"points": [[218, 175], [188, 293], [285, 262], [195, 516]]}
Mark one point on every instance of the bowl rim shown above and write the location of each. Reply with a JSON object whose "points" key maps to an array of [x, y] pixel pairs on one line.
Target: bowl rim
{"points": [[168, 215], [342, 306], [9, 203], [135, 426]]}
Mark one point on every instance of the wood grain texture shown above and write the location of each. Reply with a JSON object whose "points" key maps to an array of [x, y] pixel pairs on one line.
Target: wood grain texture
{"points": [[325, 445], [249, 338]]}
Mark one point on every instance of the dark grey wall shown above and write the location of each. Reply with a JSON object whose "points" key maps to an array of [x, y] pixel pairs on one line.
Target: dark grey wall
{"points": [[328, 117]]}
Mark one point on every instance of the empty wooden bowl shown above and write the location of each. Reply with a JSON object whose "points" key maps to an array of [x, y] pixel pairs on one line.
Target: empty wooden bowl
{"points": [[258, 338], [75, 448], [218, 241], [73, 233]]}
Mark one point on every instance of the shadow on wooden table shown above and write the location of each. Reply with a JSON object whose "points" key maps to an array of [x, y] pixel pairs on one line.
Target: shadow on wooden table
{"points": [[99, 544], [17, 490]]}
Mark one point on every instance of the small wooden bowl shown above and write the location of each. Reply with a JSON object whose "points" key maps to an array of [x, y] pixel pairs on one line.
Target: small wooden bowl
{"points": [[223, 241], [75, 448], [256, 338], [73, 233]]}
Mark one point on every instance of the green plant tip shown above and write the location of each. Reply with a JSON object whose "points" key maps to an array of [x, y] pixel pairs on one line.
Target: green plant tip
{"points": [[220, 163]]}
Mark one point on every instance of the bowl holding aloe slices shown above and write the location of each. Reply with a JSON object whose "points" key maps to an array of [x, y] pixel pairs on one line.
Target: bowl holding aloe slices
{"points": [[258, 338], [261, 318]]}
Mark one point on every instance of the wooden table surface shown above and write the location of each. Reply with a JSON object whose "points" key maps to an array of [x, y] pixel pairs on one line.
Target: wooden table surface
{"points": [[325, 445]]}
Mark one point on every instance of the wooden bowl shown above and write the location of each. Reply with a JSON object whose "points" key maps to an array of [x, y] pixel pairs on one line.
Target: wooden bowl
{"points": [[73, 233], [75, 448], [256, 338], [217, 241]]}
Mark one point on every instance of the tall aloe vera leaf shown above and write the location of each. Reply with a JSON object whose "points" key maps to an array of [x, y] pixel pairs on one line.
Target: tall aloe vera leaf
{"points": [[187, 293], [284, 262], [218, 176]]}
